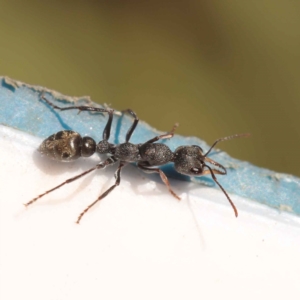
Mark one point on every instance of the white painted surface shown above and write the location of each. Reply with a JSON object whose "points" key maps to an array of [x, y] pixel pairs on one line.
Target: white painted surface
{"points": [[139, 242]]}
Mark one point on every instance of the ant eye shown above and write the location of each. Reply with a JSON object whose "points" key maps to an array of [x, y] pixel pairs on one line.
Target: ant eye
{"points": [[196, 171]]}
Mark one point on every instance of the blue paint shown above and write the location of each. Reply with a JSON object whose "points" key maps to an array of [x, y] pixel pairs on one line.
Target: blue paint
{"points": [[21, 108]]}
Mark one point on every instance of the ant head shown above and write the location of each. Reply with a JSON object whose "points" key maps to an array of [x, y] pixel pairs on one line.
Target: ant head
{"points": [[189, 160]]}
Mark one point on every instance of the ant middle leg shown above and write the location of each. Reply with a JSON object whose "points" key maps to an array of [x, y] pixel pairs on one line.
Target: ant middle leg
{"points": [[118, 179], [143, 166], [165, 136]]}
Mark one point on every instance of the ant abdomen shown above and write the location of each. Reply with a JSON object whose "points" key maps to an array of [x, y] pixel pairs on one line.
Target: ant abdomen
{"points": [[67, 145]]}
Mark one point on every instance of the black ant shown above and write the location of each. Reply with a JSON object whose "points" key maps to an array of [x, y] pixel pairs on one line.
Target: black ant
{"points": [[188, 160]]}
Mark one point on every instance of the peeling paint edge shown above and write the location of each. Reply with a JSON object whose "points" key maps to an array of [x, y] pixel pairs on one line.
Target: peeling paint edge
{"points": [[58, 96]]}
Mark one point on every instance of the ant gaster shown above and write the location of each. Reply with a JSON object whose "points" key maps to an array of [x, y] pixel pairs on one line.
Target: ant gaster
{"points": [[188, 160]]}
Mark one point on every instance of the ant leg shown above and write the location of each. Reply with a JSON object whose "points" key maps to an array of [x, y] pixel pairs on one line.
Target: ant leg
{"points": [[165, 136], [212, 172], [226, 139], [80, 107], [101, 165], [136, 120], [118, 179], [106, 132], [162, 175], [133, 126]]}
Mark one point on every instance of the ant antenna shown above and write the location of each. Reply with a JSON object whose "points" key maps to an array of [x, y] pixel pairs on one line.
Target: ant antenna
{"points": [[226, 139]]}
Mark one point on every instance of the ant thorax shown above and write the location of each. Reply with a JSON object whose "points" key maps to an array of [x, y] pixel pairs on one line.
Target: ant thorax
{"points": [[127, 152], [156, 154]]}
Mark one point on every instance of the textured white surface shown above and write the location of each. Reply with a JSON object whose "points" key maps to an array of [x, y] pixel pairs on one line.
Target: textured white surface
{"points": [[139, 242]]}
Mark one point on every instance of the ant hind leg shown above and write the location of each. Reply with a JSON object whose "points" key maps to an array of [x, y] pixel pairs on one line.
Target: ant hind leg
{"points": [[101, 165], [118, 179], [133, 126]]}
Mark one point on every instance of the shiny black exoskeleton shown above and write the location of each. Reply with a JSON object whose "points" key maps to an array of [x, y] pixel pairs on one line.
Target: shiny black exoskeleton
{"points": [[188, 160], [68, 146]]}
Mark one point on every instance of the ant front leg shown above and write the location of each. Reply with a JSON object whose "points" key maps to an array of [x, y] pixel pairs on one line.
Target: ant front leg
{"points": [[147, 169], [118, 179]]}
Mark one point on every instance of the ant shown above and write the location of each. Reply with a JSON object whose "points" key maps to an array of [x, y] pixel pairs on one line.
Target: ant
{"points": [[68, 145]]}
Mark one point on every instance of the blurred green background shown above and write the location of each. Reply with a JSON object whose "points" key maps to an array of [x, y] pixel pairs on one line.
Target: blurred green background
{"points": [[216, 67]]}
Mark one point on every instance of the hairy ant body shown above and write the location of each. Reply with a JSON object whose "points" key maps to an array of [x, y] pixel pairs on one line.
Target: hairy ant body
{"points": [[188, 160]]}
